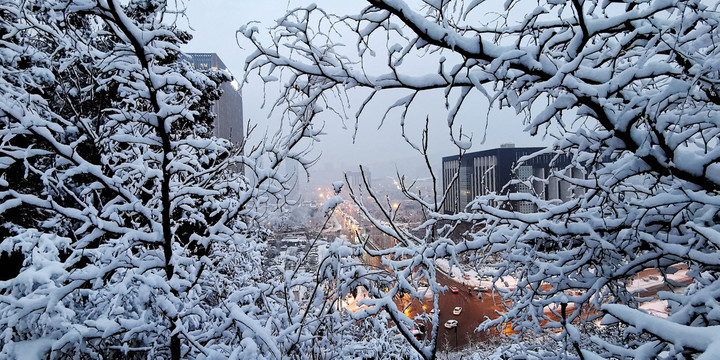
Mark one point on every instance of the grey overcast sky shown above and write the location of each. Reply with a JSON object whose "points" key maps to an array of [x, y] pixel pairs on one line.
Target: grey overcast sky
{"points": [[214, 23]]}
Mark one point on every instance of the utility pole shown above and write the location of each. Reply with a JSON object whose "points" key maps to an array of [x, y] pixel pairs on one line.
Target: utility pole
{"points": [[456, 345]]}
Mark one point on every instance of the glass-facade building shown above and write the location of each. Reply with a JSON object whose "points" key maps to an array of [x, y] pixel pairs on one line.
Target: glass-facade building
{"points": [[489, 171]]}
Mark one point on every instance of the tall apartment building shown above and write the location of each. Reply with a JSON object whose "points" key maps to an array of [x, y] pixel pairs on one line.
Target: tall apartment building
{"points": [[488, 171], [229, 110]]}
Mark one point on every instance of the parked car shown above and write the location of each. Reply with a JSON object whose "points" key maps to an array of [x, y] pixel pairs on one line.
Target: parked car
{"points": [[467, 276], [457, 310], [454, 290], [451, 324], [432, 312]]}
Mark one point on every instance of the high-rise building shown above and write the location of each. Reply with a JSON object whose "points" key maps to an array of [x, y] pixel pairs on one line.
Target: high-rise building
{"points": [[489, 171], [228, 109], [356, 181]]}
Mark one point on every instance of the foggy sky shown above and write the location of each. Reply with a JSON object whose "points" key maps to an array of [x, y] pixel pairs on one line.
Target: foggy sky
{"points": [[214, 23]]}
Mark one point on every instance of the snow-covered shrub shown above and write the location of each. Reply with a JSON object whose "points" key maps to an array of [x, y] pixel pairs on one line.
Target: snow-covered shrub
{"points": [[127, 231]]}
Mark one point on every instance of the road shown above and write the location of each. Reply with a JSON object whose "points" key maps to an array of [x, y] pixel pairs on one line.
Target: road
{"points": [[475, 309]]}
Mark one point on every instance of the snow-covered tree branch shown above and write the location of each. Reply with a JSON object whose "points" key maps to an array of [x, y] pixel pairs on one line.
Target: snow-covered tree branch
{"points": [[629, 89], [127, 230]]}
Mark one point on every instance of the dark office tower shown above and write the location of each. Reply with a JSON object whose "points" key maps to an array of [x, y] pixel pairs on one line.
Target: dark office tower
{"points": [[490, 171], [229, 121]]}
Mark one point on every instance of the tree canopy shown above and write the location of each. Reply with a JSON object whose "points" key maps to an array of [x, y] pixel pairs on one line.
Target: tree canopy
{"points": [[128, 230], [628, 90]]}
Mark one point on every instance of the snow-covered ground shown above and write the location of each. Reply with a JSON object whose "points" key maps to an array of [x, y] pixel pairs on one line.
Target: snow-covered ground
{"points": [[352, 303], [649, 280], [657, 308], [474, 280]]}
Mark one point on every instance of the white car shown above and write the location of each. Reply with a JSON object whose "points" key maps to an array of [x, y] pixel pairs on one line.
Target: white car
{"points": [[457, 310], [451, 324], [433, 311]]}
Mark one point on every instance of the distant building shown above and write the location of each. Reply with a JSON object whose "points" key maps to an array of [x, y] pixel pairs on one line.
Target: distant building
{"points": [[355, 179], [488, 171], [297, 240], [292, 170], [229, 110]]}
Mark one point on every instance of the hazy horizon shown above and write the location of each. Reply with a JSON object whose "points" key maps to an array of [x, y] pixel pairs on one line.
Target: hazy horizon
{"points": [[382, 149]]}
